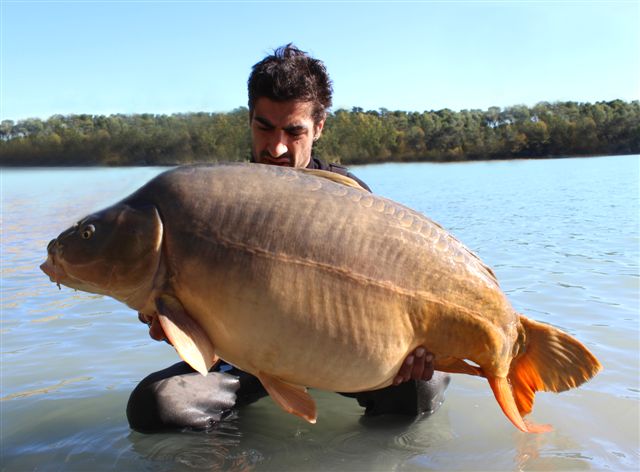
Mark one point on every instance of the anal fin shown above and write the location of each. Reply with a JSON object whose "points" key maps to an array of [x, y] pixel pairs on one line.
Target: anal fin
{"points": [[186, 335], [291, 398], [454, 365], [504, 396]]}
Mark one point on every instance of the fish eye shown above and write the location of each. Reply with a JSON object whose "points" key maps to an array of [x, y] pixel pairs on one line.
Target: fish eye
{"points": [[88, 231]]}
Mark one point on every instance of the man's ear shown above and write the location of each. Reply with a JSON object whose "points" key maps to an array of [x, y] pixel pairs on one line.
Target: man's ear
{"points": [[317, 129]]}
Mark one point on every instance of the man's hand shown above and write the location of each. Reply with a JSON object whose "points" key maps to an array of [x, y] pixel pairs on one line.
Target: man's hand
{"points": [[417, 366], [155, 329]]}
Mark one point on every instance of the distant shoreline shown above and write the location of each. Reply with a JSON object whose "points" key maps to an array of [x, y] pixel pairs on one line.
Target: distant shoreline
{"points": [[350, 137]]}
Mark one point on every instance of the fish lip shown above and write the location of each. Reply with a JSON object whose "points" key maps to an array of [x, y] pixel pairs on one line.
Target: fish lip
{"points": [[47, 269], [50, 268], [53, 270]]}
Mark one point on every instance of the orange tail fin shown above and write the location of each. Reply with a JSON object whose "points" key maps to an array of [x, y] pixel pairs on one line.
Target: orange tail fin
{"points": [[549, 360]]}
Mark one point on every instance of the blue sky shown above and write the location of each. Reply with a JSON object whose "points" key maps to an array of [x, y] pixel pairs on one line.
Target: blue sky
{"points": [[103, 57]]}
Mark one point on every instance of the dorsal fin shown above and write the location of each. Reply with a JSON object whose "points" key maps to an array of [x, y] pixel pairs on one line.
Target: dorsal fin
{"points": [[341, 179], [457, 366]]}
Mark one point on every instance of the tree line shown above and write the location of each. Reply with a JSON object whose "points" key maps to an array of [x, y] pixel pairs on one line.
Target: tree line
{"points": [[351, 136]]}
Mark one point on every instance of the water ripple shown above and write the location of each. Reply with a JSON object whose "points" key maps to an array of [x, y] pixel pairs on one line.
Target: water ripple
{"points": [[43, 390]]}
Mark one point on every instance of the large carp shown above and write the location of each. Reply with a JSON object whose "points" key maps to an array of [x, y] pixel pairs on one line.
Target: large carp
{"points": [[305, 280]]}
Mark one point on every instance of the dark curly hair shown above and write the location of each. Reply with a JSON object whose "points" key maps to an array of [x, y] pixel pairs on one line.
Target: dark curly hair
{"points": [[290, 74]]}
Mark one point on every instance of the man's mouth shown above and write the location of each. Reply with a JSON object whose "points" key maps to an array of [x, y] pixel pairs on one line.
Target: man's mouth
{"points": [[275, 161], [284, 162]]}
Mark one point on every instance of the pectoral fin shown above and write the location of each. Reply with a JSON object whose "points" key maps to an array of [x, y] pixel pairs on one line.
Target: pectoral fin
{"points": [[291, 398], [188, 338]]}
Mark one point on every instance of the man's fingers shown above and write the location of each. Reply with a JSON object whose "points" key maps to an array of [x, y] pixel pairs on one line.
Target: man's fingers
{"points": [[417, 372], [429, 367], [405, 371], [418, 365]]}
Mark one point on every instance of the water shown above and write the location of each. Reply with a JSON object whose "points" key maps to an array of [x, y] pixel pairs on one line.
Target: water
{"points": [[562, 236]]}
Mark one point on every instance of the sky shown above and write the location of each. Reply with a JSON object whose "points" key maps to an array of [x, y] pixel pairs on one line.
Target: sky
{"points": [[162, 57]]}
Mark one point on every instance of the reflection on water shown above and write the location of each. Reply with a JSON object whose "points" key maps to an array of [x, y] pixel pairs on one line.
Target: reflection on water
{"points": [[562, 236], [43, 390]]}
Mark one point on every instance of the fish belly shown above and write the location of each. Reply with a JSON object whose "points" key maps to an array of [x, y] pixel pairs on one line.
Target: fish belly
{"points": [[306, 326]]}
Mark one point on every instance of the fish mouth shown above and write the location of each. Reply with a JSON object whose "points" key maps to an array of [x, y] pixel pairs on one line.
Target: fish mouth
{"points": [[52, 270]]}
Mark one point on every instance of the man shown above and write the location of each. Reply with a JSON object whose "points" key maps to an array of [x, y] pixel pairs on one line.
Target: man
{"points": [[289, 95]]}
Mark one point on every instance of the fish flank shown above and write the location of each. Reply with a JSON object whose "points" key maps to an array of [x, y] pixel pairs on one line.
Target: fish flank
{"points": [[340, 271]]}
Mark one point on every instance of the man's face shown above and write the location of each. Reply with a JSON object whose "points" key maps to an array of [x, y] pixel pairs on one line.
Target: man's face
{"points": [[282, 133]]}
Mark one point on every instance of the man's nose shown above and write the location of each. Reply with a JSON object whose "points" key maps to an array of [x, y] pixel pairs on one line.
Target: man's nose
{"points": [[277, 145]]}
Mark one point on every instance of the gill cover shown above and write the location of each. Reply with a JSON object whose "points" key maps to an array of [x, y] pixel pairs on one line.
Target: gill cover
{"points": [[113, 251]]}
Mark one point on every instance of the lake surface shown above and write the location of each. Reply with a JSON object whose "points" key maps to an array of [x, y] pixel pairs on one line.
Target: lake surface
{"points": [[562, 236]]}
